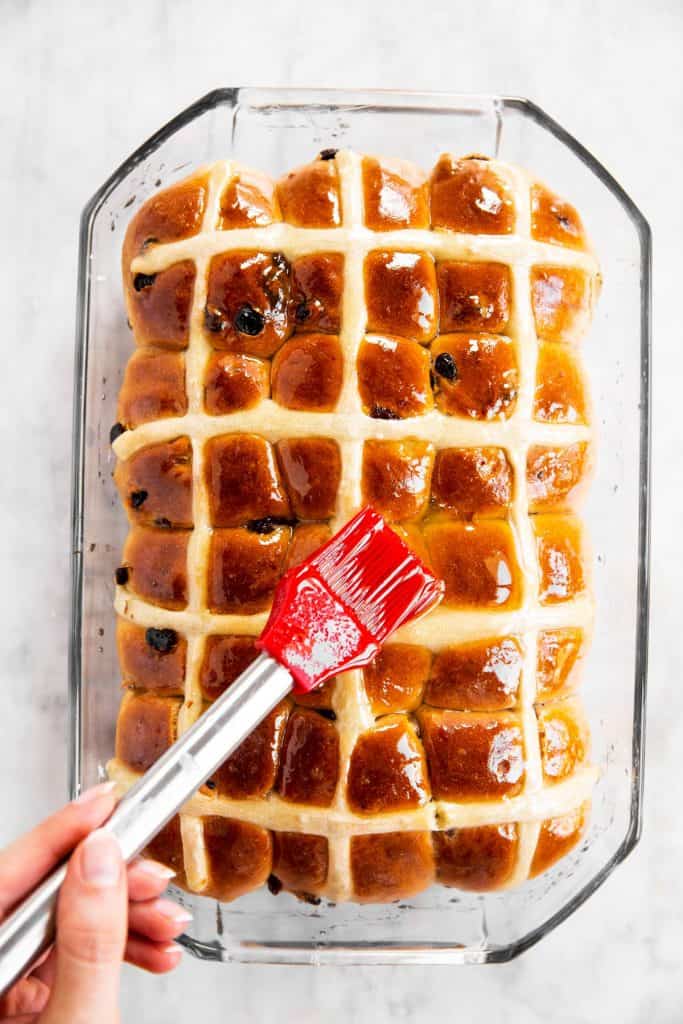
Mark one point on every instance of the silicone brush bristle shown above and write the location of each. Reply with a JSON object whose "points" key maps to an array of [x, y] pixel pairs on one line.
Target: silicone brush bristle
{"points": [[376, 575], [334, 611]]}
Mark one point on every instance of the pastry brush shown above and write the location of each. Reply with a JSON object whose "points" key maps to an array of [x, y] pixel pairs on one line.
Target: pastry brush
{"points": [[329, 614]]}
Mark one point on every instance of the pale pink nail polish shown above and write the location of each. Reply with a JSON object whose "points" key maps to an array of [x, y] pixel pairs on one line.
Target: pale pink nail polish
{"points": [[100, 860], [155, 869], [95, 792], [173, 912]]}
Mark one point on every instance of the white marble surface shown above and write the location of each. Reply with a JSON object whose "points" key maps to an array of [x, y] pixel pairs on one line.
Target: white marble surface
{"points": [[82, 84]]}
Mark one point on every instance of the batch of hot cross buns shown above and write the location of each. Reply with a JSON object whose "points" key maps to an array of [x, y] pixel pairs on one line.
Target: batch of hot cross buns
{"points": [[361, 332]]}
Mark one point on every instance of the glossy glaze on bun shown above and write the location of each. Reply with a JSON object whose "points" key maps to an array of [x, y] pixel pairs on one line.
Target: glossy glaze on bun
{"points": [[355, 332]]}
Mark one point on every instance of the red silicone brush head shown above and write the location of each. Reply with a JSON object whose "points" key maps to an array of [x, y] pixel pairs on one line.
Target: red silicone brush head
{"points": [[334, 611]]}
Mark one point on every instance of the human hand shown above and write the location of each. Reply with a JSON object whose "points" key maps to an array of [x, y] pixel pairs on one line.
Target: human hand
{"points": [[105, 913]]}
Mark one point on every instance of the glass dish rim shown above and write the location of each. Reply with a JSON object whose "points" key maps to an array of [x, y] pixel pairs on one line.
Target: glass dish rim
{"points": [[350, 952]]}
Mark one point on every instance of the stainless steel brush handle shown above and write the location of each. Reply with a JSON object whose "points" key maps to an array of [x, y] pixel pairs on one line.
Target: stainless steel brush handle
{"points": [[153, 800]]}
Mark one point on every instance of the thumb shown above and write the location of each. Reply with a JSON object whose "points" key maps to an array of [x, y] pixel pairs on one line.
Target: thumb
{"points": [[91, 933]]}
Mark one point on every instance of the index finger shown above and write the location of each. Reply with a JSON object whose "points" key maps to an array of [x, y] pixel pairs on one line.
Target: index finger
{"points": [[30, 858]]}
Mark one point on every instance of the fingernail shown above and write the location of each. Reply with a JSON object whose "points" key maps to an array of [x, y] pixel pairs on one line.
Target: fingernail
{"points": [[173, 912], [95, 792], [154, 868], [101, 860], [173, 947]]}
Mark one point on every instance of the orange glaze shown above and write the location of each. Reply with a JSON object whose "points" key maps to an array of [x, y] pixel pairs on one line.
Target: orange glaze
{"points": [[471, 482], [401, 295], [300, 861], [153, 387], [248, 302], [476, 859], [468, 195], [309, 766], [559, 661], [554, 476], [393, 378], [311, 469], [564, 739], [557, 837], [559, 546], [320, 698], [170, 215], [239, 857], [146, 728], [411, 534], [561, 302], [309, 196], [159, 305], [560, 389], [157, 564], [396, 476], [486, 382], [234, 381], [387, 771], [391, 866], [248, 201], [477, 561], [473, 756], [554, 220], [307, 373], [480, 676], [395, 195], [306, 539], [244, 568], [155, 484], [395, 679], [252, 769], [317, 284], [144, 667], [474, 296], [242, 480], [167, 848], [225, 658]]}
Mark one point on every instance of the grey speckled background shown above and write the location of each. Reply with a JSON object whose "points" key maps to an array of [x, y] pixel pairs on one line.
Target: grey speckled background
{"points": [[81, 85]]}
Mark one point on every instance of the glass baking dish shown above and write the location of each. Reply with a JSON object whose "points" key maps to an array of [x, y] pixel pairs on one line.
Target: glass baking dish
{"points": [[276, 129]]}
